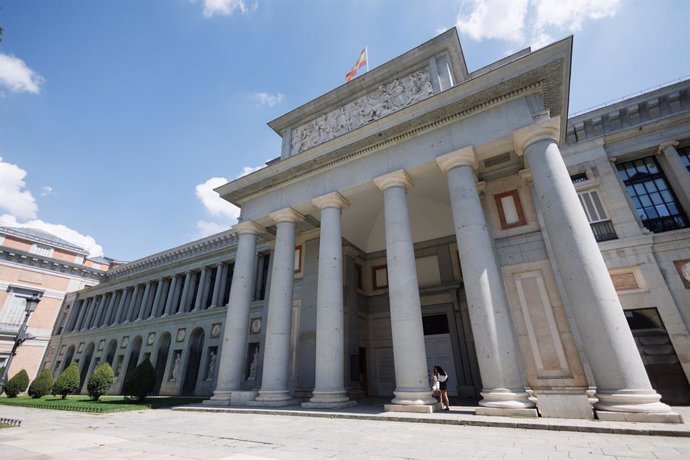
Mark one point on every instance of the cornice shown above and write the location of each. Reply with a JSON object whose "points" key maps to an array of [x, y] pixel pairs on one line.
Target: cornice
{"points": [[653, 127], [56, 266], [204, 246]]}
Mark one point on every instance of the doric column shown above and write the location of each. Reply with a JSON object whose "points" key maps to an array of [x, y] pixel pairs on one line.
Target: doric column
{"points": [[677, 173], [132, 305], [80, 315], [184, 297], [144, 301], [622, 383], [497, 354], [121, 306], [329, 390], [274, 391], [231, 359], [109, 309], [75, 310], [412, 384], [172, 291], [218, 287], [156, 298], [200, 293], [99, 311], [83, 316]]}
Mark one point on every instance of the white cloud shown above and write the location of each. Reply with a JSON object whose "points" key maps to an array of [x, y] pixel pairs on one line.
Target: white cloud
{"points": [[267, 99], [47, 191], [224, 213], [227, 7], [17, 77], [21, 209], [61, 231], [14, 199], [502, 19], [529, 22]]}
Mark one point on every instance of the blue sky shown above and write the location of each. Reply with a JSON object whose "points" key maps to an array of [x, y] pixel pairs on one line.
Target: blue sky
{"points": [[118, 118]]}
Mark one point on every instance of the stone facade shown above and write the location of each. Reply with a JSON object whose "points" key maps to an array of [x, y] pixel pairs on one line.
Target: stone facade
{"points": [[543, 262]]}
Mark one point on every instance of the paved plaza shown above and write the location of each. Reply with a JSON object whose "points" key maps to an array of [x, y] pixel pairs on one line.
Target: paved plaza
{"points": [[155, 434]]}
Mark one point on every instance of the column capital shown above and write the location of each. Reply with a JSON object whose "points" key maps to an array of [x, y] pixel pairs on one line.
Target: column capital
{"points": [[544, 128], [398, 178], [526, 174], [665, 145], [462, 157], [331, 200], [248, 226], [286, 215]]}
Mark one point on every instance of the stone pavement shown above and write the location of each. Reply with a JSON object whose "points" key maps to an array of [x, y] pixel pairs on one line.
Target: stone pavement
{"points": [[158, 434]]}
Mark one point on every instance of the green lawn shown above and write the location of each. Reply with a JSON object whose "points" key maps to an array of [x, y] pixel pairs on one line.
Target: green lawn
{"points": [[4, 425], [82, 403]]}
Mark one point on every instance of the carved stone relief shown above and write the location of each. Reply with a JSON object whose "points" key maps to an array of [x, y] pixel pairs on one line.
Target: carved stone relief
{"points": [[384, 100]]}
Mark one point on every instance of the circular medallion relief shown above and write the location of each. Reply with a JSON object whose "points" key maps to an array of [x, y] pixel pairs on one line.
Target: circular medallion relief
{"points": [[256, 326]]}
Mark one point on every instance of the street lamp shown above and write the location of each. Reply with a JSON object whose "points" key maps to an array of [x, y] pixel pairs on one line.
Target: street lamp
{"points": [[32, 299]]}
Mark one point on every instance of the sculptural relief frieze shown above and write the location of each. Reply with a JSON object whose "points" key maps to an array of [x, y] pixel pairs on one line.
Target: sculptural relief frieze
{"points": [[384, 100]]}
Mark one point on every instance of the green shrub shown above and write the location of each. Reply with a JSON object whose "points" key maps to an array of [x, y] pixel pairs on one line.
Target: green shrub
{"points": [[17, 384], [141, 381], [68, 381], [100, 381], [41, 385]]}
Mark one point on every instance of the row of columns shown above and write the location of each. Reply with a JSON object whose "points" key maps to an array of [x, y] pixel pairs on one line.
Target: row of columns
{"points": [[153, 299], [622, 383]]}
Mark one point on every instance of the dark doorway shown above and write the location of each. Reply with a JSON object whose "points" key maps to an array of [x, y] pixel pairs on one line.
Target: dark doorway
{"points": [[658, 355], [161, 360], [85, 363], [133, 356], [110, 356], [193, 360], [363, 381], [68, 357]]}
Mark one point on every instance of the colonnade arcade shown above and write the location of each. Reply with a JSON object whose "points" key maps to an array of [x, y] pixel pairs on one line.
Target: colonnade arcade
{"points": [[451, 180]]}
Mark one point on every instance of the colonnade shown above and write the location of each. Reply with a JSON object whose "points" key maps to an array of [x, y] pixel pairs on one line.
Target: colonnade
{"points": [[191, 291], [622, 382]]}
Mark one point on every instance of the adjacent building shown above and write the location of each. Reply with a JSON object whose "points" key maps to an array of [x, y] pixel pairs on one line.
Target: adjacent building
{"points": [[424, 214], [33, 261]]}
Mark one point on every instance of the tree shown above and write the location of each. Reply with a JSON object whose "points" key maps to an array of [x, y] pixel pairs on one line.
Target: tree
{"points": [[17, 384], [67, 382], [141, 381], [100, 381], [41, 385]]}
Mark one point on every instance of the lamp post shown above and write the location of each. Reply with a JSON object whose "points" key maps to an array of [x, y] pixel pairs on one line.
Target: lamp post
{"points": [[32, 299]]}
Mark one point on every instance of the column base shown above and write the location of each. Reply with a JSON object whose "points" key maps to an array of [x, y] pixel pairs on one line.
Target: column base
{"points": [[667, 417], [414, 408], [325, 399], [271, 398], [505, 398], [561, 403], [633, 401], [413, 398], [242, 397], [219, 398]]}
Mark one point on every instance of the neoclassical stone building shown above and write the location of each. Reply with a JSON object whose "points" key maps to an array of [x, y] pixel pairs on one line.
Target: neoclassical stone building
{"points": [[424, 214]]}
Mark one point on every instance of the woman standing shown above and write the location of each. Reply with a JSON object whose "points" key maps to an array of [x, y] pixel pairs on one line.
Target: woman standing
{"points": [[442, 378]]}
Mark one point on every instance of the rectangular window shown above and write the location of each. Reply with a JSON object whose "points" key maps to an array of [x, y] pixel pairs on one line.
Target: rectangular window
{"points": [[579, 178], [653, 198], [685, 156], [298, 259], [510, 210], [596, 215], [12, 313], [379, 276]]}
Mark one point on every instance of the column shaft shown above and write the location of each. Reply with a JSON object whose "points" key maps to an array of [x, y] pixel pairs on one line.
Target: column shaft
{"points": [[169, 304], [144, 301], [217, 287], [156, 298], [497, 355], [200, 294], [621, 379], [231, 359]]}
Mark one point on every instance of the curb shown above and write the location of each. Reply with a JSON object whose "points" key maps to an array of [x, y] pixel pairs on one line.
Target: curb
{"points": [[509, 423]]}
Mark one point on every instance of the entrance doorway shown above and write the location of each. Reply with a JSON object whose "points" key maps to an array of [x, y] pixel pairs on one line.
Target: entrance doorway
{"points": [[439, 350], [192, 370]]}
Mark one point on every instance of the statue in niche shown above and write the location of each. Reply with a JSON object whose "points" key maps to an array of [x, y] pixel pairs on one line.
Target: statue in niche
{"points": [[118, 368], [211, 370], [176, 367], [254, 364]]}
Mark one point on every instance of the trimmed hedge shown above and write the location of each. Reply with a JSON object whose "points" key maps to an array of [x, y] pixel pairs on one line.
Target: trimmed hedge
{"points": [[100, 381], [17, 384], [68, 381], [42, 385], [141, 382]]}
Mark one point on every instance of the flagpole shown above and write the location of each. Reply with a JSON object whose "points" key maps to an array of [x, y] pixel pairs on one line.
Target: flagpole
{"points": [[366, 53]]}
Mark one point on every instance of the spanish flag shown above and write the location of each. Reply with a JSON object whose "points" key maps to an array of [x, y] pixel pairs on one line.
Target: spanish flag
{"points": [[361, 62]]}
